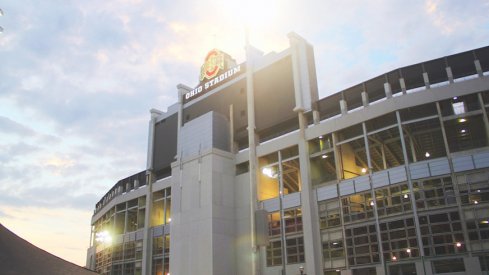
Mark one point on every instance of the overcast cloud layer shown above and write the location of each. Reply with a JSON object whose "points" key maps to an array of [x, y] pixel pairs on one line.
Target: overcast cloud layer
{"points": [[77, 79]]}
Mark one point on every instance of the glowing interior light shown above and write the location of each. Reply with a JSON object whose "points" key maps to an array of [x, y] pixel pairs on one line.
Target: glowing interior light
{"points": [[476, 202], [408, 250], [364, 170], [320, 137], [455, 98], [394, 258], [406, 196], [485, 222], [458, 244], [103, 237], [427, 154], [268, 171], [324, 156], [372, 203], [169, 219], [462, 120], [462, 131]]}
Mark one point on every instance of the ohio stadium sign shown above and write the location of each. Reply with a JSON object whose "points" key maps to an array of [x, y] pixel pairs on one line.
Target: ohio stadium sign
{"points": [[214, 72]]}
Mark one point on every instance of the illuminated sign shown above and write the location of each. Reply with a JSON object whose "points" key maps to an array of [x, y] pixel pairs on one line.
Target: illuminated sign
{"points": [[214, 72], [214, 62]]}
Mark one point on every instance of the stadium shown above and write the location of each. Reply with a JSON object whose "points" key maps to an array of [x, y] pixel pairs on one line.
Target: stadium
{"points": [[250, 172]]}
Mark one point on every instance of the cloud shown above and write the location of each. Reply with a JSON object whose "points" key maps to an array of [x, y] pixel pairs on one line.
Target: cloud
{"points": [[11, 127]]}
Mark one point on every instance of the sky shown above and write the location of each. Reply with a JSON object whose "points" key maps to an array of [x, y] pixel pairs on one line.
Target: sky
{"points": [[78, 78]]}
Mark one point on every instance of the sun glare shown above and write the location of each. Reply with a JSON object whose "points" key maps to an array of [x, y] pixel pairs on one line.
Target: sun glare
{"points": [[252, 13]]}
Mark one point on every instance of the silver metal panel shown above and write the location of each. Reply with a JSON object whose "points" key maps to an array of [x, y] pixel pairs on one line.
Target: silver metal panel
{"points": [[292, 200], [327, 192], [380, 179], [397, 174], [347, 187], [139, 235], [481, 160], [419, 170], [439, 167], [271, 205], [157, 231], [462, 163], [362, 184]]}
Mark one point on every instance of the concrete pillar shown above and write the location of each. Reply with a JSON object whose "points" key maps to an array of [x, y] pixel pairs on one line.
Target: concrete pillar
{"points": [[302, 88], [472, 266], [379, 269], [365, 99], [402, 83], [426, 80], [343, 107], [388, 90], [449, 74], [316, 117], [478, 67], [423, 267]]}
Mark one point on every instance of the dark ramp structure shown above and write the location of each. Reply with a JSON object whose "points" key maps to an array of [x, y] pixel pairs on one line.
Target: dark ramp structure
{"points": [[19, 257]]}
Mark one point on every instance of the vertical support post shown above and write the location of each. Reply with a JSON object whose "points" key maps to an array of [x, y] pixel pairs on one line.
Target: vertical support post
{"points": [[478, 68], [365, 99], [250, 101], [372, 194], [484, 116], [449, 74], [402, 83], [426, 80], [410, 185]]}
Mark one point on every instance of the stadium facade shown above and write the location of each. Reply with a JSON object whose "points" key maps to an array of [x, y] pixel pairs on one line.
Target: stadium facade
{"points": [[251, 173]]}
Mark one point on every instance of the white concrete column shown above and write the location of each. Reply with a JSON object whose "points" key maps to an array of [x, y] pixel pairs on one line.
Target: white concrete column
{"points": [[388, 90], [478, 67], [402, 83], [426, 80], [472, 266], [302, 89], [182, 90], [253, 160], [365, 99], [343, 107], [449, 74]]}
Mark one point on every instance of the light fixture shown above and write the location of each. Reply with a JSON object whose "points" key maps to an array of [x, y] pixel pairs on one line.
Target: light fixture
{"points": [[320, 137], [169, 219], [408, 250], [476, 202], [458, 244], [324, 156], [268, 171], [372, 203], [406, 196], [485, 222], [394, 258], [427, 154], [364, 170], [335, 243], [462, 120], [455, 98], [462, 131]]}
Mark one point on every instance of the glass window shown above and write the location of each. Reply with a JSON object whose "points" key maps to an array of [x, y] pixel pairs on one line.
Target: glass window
{"points": [[448, 266], [424, 139], [323, 168], [329, 213], [402, 269], [459, 105], [352, 152], [362, 245], [357, 207], [268, 179], [439, 236], [465, 133]]}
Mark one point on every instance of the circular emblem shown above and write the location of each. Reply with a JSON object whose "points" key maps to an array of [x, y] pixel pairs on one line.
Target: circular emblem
{"points": [[214, 62]]}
